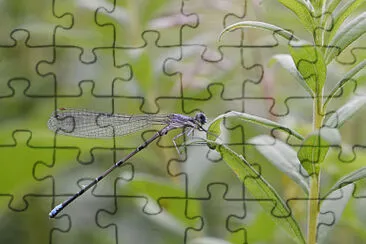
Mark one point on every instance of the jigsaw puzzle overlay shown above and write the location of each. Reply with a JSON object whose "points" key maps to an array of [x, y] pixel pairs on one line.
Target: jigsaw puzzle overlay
{"points": [[158, 57]]}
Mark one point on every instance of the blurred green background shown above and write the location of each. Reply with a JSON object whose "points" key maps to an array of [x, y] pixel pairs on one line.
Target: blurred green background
{"points": [[166, 59]]}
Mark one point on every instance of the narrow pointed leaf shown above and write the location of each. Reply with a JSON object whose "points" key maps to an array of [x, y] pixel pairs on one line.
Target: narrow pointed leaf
{"points": [[302, 11], [331, 210], [347, 34], [308, 4], [260, 25], [350, 178], [260, 189], [343, 12], [315, 147], [283, 157], [214, 129], [310, 63], [332, 4], [346, 78], [287, 63], [337, 119], [336, 199], [320, 4]]}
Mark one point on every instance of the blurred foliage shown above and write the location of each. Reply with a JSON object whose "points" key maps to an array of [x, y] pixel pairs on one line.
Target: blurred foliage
{"points": [[42, 69]]}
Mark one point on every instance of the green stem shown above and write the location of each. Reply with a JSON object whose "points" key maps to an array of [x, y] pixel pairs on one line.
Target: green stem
{"points": [[318, 114], [313, 207]]}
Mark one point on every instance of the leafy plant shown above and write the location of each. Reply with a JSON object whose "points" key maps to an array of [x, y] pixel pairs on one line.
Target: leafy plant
{"points": [[307, 62]]}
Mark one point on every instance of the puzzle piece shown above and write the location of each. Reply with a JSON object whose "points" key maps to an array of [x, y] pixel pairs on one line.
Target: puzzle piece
{"points": [[163, 223], [37, 18], [149, 80], [272, 92], [21, 222], [86, 94], [228, 70], [79, 72], [23, 109], [197, 176], [22, 54], [216, 225], [165, 20], [73, 170], [81, 35], [83, 222], [18, 183], [211, 17], [69, 171]]}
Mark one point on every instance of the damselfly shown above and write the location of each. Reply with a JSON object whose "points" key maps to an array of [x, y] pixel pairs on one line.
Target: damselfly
{"points": [[83, 123]]}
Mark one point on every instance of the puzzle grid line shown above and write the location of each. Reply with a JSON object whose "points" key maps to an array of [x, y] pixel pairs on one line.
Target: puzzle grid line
{"points": [[183, 66]]}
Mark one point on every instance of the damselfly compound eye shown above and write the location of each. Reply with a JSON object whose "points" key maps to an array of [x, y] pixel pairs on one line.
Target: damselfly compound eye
{"points": [[201, 117]]}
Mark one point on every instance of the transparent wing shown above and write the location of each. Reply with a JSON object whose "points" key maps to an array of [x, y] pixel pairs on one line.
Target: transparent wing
{"points": [[83, 123]]}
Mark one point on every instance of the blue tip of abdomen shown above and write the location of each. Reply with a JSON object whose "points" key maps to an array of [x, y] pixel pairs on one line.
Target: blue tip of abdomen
{"points": [[55, 211]]}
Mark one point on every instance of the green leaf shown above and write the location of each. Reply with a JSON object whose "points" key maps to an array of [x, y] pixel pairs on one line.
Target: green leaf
{"points": [[308, 4], [347, 34], [337, 197], [344, 113], [310, 63], [350, 178], [331, 5], [260, 25], [214, 129], [283, 157], [346, 78], [260, 189], [320, 5], [315, 147], [331, 210], [302, 11], [341, 13], [287, 63]]}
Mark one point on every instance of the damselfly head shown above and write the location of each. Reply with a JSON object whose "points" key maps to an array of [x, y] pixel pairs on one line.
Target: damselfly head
{"points": [[201, 118]]}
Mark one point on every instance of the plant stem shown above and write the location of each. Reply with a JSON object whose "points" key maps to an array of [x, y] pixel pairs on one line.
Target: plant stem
{"points": [[313, 207], [318, 114]]}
